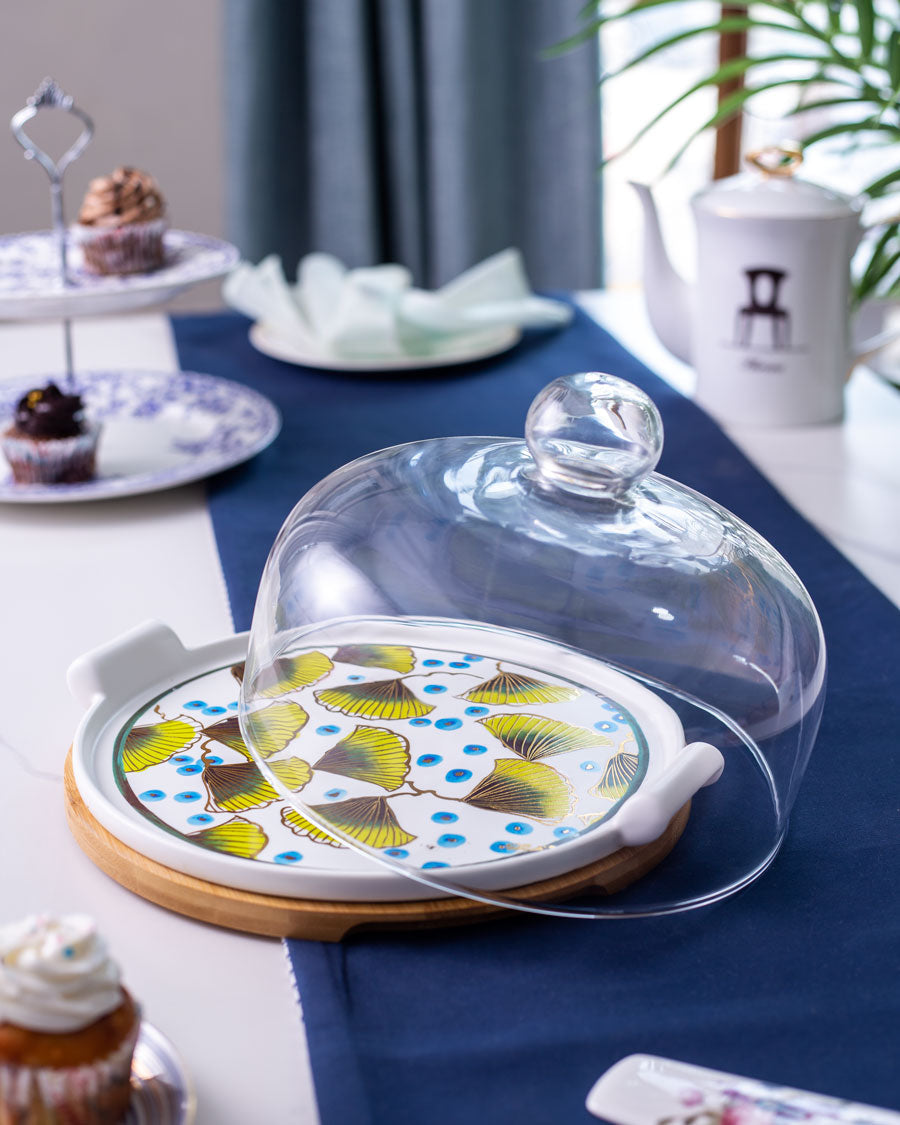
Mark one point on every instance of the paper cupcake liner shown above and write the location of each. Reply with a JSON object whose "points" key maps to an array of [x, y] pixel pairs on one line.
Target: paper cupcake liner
{"points": [[79, 1095], [136, 248], [51, 460]]}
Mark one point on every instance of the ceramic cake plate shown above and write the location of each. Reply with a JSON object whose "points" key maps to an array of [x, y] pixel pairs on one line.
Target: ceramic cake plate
{"points": [[160, 429], [31, 286], [443, 749]]}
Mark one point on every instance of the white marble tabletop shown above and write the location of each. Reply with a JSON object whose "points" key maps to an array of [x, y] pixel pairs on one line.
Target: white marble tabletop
{"points": [[73, 576]]}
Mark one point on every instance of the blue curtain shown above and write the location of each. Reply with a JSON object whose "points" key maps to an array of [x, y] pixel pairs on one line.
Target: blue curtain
{"points": [[426, 132]]}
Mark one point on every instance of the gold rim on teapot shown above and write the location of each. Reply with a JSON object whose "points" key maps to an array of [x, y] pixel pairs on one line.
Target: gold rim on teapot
{"points": [[776, 160]]}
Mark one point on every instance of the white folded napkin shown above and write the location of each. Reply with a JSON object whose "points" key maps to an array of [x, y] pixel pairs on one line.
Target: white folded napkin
{"points": [[376, 312]]}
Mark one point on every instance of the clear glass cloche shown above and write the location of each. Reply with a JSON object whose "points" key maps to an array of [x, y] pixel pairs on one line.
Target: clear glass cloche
{"points": [[534, 673]]}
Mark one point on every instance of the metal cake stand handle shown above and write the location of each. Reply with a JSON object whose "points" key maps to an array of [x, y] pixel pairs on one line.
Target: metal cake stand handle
{"points": [[50, 96]]}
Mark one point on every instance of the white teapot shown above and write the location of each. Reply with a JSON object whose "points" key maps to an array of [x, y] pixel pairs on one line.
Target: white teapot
{"points": [[767, 325]]}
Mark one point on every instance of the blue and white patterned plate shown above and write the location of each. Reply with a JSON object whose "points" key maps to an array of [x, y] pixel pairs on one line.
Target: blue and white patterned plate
{"points": [[161, 1091], [160, 429], [31, 283]]}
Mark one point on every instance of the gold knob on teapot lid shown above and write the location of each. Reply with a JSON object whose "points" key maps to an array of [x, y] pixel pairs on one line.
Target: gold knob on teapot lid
{"points": [[777, 160]]}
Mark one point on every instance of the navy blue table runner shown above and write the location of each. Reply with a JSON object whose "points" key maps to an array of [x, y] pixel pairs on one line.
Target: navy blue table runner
{"points": [[794, 980]]}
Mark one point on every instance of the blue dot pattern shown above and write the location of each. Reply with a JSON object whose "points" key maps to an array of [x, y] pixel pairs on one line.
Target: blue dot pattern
{"points": [[519, 829], [448, 724], [428, 760], [474, 748], [431, 865], [152, 795], [200, 818], [187, 795], [458, 775], [444, 817], [397, 853], [476, 710], [328, 729], [449, 840], [288, 857], [435, 689], [194, 767]]}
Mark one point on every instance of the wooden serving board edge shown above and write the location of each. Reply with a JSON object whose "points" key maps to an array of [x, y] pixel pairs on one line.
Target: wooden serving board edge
{"points": [[314, 920]]}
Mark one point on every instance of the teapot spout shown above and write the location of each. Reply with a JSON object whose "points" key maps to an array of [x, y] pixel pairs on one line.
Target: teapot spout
{"points": [[667, 294]]}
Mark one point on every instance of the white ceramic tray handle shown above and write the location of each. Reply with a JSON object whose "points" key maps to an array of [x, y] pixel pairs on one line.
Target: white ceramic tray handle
{"points": [[646, 815], [125, 666]]}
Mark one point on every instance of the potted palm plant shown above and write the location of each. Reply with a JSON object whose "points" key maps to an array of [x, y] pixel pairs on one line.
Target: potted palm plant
{"points": [[841, 58]]}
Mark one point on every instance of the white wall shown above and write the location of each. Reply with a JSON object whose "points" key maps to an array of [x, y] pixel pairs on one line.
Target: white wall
{"points": [[150, 75]]}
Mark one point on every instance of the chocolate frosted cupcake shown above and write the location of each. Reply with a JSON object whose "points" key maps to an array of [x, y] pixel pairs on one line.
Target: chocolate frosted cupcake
{"points": [[50, 440], [67, 1027], [121, 224]]}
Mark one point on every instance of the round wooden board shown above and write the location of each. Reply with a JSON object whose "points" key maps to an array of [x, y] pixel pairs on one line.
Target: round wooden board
{"points": [[275, 916]]}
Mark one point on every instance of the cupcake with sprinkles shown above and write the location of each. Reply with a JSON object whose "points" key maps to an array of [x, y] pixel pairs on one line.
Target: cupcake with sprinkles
{"points": [[67, 1026]]}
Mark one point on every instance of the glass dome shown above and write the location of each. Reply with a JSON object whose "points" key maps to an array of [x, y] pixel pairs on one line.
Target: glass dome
{"points": [[534, 673]]}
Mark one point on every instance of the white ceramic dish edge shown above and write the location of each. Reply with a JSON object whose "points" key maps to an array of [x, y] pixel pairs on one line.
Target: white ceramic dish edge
{"points": [[484, 346]]}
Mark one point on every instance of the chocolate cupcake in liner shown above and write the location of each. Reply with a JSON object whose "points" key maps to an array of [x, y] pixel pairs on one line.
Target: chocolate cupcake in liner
{"points": [[121, 224], [68, 1028], [50, 441]]}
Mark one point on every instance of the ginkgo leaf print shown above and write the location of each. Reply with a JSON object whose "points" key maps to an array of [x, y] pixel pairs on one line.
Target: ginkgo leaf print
{"points": [[398, 658], [513, 689], [370, 820], [241, 786], [523, 789], [150, 745], [369, 754], [274, 727], [532, 737], [617, 776], [298, 824], [288, 673], [235, 837], [383, 699]]}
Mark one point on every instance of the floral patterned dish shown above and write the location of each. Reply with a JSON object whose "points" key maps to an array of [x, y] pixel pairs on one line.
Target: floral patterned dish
{"points": [[160, 429], [429, 754], [31, 285]]}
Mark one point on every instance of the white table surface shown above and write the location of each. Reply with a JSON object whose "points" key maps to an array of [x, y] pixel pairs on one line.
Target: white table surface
{"points": [[77, 575]]}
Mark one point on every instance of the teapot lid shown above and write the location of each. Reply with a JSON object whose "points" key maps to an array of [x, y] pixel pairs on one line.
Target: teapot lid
{"points": [[543, 644], [770, 190]]}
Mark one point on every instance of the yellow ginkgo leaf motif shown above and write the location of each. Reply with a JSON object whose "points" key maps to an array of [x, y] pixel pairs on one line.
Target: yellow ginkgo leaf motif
{"points": [[241, 786], [290, 818], [512, 689], [274, 727], [523, 789], [370, 820], [618, 775], [383, 699], [235, 837], [369, 754], [398, 658], [532, 737], [150, 745], [288, 673]]}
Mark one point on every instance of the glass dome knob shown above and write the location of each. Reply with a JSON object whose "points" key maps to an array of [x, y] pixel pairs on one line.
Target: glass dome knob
{"points": [[593, 434]]}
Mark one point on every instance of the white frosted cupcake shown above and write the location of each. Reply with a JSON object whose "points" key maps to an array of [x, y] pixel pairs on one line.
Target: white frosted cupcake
{"points": [[67, 1026]]}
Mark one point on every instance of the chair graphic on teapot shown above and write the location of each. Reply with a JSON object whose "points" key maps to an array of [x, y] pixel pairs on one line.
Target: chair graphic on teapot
{"points": [[765, 286]]}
